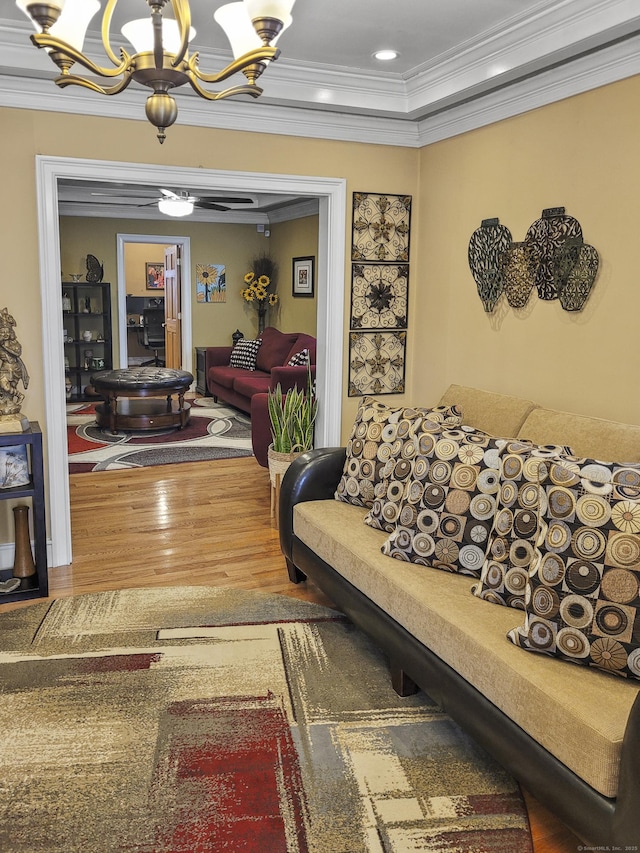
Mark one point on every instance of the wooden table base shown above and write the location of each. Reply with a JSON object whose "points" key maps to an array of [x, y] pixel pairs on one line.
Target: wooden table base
{"points": [[145, 413]]}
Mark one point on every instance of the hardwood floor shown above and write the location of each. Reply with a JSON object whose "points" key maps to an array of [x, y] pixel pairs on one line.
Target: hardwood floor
{"points": [[197, 523]]}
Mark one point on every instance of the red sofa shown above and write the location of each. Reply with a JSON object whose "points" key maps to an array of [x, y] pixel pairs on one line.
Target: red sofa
{"points": [[247, 389]]}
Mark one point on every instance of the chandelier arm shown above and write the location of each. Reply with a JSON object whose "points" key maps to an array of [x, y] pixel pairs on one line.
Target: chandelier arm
{"points": [[182, 13], [57, 45], [106, 29], [65, 80], [260, 54], [247, 89]]}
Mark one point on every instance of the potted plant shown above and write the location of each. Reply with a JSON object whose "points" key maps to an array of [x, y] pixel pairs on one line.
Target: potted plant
{"points": [[292, 415], [260, 285]]}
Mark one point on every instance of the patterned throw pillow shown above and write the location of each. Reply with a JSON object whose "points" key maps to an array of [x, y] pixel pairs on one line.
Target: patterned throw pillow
{"points": [[583, 598], [505, 572], [449, 502], [377, 440], [244, 354], [299, 358]]}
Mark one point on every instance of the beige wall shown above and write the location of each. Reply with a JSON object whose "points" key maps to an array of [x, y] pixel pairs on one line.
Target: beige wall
{"points": [[581, 154], [136, 258], [295, 239]]}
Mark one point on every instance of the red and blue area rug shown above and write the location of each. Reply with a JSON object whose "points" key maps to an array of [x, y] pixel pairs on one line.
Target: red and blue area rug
{"points": [[206, 720], [214, 431]]}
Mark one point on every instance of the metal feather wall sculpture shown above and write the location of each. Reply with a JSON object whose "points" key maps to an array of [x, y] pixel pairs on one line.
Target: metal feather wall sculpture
{"points": [[553, 259]]}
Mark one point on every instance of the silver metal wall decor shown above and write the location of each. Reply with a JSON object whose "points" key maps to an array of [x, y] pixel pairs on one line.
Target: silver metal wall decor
{"points": [[553, 258], [381, 229], [376, 362]]}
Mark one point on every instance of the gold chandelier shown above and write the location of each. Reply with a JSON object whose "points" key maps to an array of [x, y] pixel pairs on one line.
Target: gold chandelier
{"points": [[161, 59]]}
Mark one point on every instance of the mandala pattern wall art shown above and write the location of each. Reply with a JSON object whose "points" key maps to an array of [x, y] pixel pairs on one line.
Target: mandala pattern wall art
{"points": [[381, 225], [376, 363], [379, 294]]}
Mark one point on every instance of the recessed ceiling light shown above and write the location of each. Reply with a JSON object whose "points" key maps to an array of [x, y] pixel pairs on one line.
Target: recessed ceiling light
{"points": [[386, 55]]}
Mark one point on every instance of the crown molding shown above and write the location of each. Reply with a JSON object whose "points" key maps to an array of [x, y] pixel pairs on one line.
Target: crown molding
{"points": [[504, 73]]}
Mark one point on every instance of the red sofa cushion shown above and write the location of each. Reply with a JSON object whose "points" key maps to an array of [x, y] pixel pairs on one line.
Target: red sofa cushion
{"points": [[252, 382], [274, 348], [225, 375], [303, 342]]}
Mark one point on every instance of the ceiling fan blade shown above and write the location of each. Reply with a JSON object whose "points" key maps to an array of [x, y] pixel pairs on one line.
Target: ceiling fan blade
{"points": [[225, 199], [169, 193], [209, 205]]}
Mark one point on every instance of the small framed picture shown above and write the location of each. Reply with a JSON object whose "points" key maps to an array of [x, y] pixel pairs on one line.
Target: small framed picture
{"points": [[155, 276], [303, 274]]}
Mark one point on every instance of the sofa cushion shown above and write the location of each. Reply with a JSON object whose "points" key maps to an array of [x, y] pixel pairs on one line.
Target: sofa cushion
{"points": [[505, 572], [303, 342], [469, 635], [583, 600], [377, 439], [497, 414], [275, 347], [449, 502], [592, 437], [244, 354], [225, 375], [248, 384]]}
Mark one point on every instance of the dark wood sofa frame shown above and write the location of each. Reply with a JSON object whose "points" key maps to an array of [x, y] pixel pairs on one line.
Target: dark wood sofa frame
{"points": [[599, 821]]}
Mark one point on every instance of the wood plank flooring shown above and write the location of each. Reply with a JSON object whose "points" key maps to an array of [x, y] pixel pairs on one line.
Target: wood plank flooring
{"points": [[197, 523]]}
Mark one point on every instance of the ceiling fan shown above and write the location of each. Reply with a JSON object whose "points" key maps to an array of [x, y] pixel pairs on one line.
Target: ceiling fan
{"points": [[172, 203]]}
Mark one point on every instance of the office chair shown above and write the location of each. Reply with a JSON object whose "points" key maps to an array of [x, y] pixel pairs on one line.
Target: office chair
{"points": [[153, 334]]}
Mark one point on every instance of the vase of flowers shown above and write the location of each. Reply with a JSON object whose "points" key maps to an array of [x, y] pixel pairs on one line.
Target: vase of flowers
{"points": [[260, 287]]}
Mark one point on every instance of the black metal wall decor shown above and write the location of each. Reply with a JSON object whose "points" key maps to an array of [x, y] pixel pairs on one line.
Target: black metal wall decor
{"points": [[553, 258], [545, 237], [381, 229], [487, 248]]}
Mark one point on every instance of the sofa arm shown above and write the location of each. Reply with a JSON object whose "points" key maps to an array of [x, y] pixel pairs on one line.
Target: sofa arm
{"points": [[313, 476], [290, 377], [216, 357]]}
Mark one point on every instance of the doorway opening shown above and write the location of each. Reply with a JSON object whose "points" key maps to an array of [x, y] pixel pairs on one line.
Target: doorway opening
{"points": [[127, 340], [331, 195]]}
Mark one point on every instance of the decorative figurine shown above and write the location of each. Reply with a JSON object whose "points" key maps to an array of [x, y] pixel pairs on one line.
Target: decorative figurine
{"points": [[12, 371]]}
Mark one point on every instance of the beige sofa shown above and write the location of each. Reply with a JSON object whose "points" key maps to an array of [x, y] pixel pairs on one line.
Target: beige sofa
{"points": [[569, 733]]}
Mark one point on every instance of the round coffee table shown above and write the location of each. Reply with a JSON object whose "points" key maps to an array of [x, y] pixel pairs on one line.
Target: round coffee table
{"points": [[141, 398]]}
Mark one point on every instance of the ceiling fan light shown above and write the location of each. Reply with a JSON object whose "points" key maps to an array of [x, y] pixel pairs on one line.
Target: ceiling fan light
{"points": [[140, 33], [175, 206]]}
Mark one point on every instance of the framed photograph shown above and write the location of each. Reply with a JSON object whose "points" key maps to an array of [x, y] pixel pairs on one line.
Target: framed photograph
{"points": [[303, 276], [155, 276]]}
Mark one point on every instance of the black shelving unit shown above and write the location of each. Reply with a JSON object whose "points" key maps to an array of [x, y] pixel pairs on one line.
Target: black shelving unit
{"points": [[38, 586], [86, 308]]}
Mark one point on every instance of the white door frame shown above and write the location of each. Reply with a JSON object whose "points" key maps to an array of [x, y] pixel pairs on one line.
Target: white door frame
{"points": [[186, 349], [331, 193]]}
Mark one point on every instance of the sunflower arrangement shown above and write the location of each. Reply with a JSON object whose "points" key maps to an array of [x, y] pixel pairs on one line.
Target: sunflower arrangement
{"points": [[257, 289], [260, 288]]}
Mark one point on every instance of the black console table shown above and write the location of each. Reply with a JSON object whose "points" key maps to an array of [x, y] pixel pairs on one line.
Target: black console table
{"points": [[38, 585]]}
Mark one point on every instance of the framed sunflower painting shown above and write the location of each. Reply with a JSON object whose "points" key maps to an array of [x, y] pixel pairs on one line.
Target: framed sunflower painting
{"points": [[211, 285]]}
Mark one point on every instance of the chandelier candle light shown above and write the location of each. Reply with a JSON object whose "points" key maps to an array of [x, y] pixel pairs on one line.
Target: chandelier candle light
{"points": [[161, 59]]}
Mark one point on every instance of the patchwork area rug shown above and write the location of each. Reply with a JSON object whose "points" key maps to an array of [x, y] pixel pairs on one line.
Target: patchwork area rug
{"points": [[214, 431], [201, 720]]}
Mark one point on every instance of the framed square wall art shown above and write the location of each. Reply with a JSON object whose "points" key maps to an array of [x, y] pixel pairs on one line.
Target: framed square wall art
{"points": [[303, 276], [376, 363], [154, 276]]}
